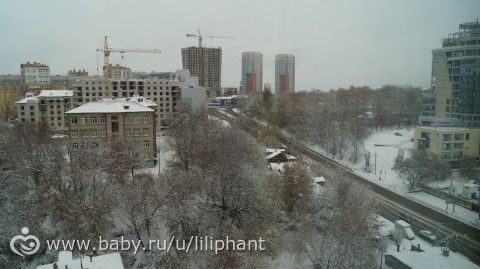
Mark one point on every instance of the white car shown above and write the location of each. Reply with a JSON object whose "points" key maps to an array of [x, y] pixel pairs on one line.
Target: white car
{"points": [[429, 236]]}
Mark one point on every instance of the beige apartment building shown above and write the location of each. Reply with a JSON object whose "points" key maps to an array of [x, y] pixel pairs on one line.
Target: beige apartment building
{"points": [[102, 122], [165, 93], [450, 143], [48, 106]]}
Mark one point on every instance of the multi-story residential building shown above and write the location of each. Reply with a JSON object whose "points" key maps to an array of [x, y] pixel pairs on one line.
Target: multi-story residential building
{"points": [[35, 74], [252, 72], [11, 90], [227, 91], [102, 122], [206, 64], [118, 72], [284, 73], [77, 73], [49, 106], [450, 143], [165, 93], [456, 75]]}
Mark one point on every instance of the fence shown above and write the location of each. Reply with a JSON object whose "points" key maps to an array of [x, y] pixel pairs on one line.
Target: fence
{"points": [[454, 199]]}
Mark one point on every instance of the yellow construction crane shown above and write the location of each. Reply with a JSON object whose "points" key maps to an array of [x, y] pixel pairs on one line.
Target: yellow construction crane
{"points": [[106, 53], [201, 75]]}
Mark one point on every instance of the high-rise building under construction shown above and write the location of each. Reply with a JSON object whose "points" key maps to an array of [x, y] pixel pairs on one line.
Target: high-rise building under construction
{"points": [[206, 64]]}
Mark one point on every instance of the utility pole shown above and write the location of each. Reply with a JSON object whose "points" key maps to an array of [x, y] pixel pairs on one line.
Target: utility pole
{"points": [[159, 150], [381, 258], [375, 162]]}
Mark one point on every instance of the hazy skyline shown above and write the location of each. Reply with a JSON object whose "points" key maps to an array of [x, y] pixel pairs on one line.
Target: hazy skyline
{"points": [[335, 43]]}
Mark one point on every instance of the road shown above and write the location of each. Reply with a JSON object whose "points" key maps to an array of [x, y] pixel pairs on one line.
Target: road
{"points": [[392, 206]]}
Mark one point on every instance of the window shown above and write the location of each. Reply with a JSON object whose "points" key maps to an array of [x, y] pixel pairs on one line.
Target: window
{"points": [[103, 133], [74, 121], [146, 144], [145, 119], [75, 146], [145, 131], [93, 133], [115, 127], [32, 108], [128, 132], [447, 137], [446, 146], [445, 155], [457, 154], [83, 121], [94, 145], [74, 134], [102, 119], [93, 120], [22, 107], [135, 120], [458, 137], [458, 145], [467, 136]]}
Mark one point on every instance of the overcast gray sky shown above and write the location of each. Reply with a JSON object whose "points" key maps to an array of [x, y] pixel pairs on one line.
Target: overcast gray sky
{"points": [[337, 43]]}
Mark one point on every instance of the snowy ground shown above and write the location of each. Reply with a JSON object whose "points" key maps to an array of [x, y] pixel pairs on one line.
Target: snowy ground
{"points": [[438, 203], [386, 145], [224, 122], [431, 258], [165, 155]]}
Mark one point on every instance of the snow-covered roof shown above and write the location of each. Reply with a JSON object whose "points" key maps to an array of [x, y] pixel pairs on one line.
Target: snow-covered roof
{"points": [[137, 98], [269, 150], [403, 223], [28, 99], [110, 107], [447, 129], [55, 93], [277, 167], [290, 157], [65, 258], [273, 154], [318, 179]]}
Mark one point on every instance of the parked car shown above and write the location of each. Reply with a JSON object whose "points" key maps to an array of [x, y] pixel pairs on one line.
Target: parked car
{"points": [[403, 227], [397, 134], [429, 236]]}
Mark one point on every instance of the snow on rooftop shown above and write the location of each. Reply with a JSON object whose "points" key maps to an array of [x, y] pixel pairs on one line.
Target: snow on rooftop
{"points": [[319, 179], [403, 223], [110, 107], [277, 167], [446, 129], [273, 154], [55, 93], [27, 99], [269, 150], [106, 261], [137, 98]]}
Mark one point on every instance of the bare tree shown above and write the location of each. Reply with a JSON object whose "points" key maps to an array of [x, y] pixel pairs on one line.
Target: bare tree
{"points": [[422, 167]]}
